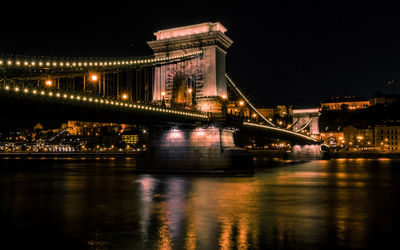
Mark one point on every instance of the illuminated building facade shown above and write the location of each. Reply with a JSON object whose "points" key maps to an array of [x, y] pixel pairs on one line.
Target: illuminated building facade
{"points": [[360, 137], [130, 139], [347, 102], [387, 137], [380, 98]]}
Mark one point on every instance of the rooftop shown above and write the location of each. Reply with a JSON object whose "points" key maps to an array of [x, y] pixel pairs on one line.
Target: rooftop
{"points": [[345, 99]]}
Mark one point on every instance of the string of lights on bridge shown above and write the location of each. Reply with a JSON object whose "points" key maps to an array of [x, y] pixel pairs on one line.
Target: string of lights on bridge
{"points": [[103, 101], [27, 62], [280, 130], [247, 101]]}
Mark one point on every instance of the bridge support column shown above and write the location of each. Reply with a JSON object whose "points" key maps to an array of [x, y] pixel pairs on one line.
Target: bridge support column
{"points": [[194, 150], [307, 152]]}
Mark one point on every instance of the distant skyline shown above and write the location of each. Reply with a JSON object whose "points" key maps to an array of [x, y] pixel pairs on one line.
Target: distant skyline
{"points": [[287, 52]]}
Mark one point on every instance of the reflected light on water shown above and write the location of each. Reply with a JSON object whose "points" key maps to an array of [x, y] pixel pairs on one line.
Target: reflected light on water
{"points": [[318, 204]]}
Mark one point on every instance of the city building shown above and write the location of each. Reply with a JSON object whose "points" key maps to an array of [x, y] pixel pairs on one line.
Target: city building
{"points": [[347, 102], [359, 137], [380, 98], [130, 138], [387, 136], [267, 111]]}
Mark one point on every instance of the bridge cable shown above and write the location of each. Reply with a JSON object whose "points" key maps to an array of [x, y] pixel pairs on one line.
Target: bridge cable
{"points": [[247, 101], [305, 126]]}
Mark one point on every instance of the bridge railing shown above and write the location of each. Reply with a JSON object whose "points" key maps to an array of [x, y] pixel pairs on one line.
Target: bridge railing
{"points": [[23, 91]]}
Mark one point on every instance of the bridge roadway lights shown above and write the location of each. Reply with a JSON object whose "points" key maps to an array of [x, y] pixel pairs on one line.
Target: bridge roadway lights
{"points": [[84, 100], [193, 150]]}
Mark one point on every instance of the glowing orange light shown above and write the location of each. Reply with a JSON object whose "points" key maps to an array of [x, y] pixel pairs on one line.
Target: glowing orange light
{"points": [[163, 93], [223, 96], [124, 96], [48, 83], [94, 77], [190, 90], [241, 103]]}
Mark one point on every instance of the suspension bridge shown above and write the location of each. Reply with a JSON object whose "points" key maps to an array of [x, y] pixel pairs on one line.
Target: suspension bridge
{"points": [[182, 94]]}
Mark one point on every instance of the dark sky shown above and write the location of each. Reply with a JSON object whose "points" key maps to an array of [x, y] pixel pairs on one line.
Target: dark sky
{"points": [[284, 52]]}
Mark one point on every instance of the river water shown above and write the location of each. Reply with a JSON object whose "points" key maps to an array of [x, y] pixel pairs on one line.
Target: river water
{"points": [[102, 204]]}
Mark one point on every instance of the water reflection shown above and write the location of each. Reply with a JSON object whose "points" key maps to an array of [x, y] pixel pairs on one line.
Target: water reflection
{"points": [[102, 204]]}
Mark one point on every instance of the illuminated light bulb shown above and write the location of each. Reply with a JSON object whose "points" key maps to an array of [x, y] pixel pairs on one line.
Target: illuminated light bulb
{"points": [[34, 92], [90, 99], [223, 96], [78, 97], [65, 96], [42, 92], [26, 90], [50, 94], [7, 88], [40, 63], [47, 63], [16, 89], [58, 94], [124, 96], [163, 93], [84, 98], [190, 90], [48, 83], [94, 77], [9, 62], [1, 62], [25, 63], [241, 103], [18, 63]]}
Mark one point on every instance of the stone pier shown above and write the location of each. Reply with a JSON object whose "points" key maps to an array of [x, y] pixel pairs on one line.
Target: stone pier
{"points": [[194, 150]]}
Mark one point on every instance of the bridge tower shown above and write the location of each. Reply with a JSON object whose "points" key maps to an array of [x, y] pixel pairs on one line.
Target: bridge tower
{"points": [[199, 82]]}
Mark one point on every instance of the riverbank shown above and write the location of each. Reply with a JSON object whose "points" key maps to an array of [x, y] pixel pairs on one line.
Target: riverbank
{"points": [[282, 154], [67, 154], [258, 154], [366, 155]]}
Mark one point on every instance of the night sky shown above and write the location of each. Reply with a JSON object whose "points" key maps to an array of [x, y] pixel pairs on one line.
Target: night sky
{"points": [[284, 52]]}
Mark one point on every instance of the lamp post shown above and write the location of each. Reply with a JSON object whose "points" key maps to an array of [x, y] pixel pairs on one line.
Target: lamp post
{"points": [[163, 98]]}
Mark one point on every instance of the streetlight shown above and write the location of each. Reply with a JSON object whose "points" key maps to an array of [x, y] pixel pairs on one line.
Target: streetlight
{"points": [[94, 77], [163, 100], [124, 96], [49, 83], [241, 103]]}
